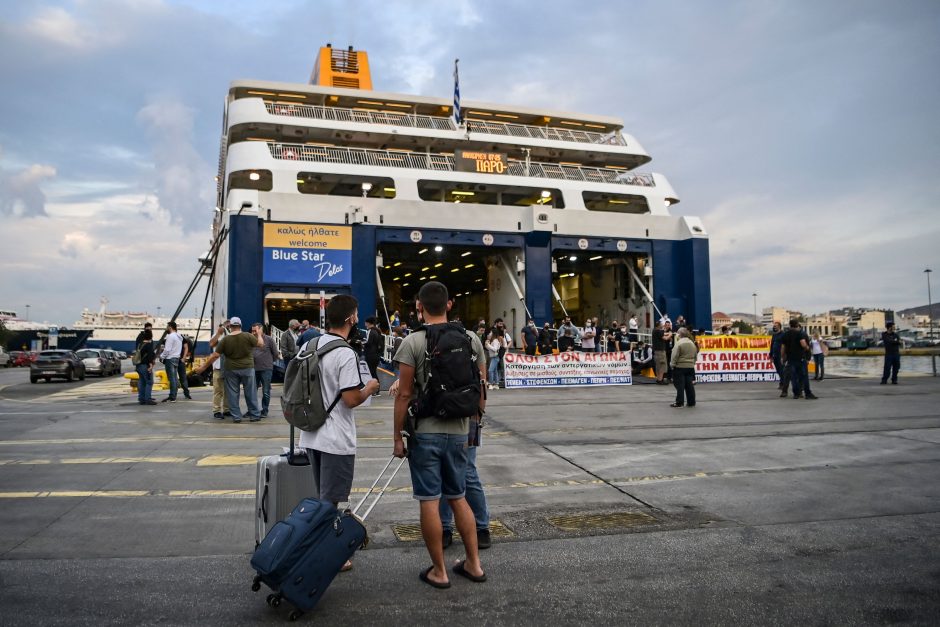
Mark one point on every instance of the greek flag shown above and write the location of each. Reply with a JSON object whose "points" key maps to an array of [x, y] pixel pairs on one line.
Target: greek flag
{"points": [[458, 118]]}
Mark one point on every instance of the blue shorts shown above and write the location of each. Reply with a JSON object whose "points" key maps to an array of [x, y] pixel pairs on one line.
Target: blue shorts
{"points": [[438, 464]]}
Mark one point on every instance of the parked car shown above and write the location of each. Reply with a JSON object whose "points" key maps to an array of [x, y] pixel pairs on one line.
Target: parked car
{"points": [[121, 355], [56, 363], [21, 359], [5, 359], [112, 356], [96, 362]]}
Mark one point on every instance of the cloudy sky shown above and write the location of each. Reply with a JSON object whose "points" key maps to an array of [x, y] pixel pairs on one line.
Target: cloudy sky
{"points": [[804, 133]]}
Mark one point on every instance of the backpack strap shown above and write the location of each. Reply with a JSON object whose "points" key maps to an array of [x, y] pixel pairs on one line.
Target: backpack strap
{"points": [[323, 350]]}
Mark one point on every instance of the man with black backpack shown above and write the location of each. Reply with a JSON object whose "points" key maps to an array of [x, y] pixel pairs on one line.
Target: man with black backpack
{"points": [[794, 351], [442, 374]]}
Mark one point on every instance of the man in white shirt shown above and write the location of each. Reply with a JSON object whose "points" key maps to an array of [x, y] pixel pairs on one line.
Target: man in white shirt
{"points": [[633, 330], [172, 349], [332, 448]]}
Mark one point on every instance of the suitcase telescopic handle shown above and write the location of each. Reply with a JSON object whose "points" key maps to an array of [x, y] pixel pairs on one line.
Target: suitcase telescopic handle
{"points": [[381, 492]]}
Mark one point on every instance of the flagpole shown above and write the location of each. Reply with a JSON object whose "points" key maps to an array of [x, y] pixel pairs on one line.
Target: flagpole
{"points": [[458, 114]]}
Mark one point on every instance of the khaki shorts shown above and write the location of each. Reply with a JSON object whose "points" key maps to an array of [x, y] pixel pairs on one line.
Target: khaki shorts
{"points": [[659, 363]]}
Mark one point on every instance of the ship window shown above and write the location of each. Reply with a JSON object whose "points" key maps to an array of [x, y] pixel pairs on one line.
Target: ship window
{"points": [[618, 203], [345, 185], [251, 179], [480, 194]]}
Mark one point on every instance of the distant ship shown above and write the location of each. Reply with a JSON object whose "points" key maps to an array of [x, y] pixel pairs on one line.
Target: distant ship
{"points": [[34, 336], [118, 330]]}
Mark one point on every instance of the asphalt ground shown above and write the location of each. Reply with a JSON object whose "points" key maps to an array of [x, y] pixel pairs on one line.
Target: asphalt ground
{"points": [[612, 508]]}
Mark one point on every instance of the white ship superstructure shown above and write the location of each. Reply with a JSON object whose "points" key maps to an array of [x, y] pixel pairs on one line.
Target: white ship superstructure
{"points": [[522, 212]]}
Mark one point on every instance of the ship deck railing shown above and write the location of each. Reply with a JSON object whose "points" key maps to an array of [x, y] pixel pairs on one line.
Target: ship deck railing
{"points": [[445, 163], [411, 120]]}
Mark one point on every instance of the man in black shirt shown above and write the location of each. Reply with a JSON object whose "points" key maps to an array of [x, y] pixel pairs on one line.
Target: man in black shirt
{"points": [[794, 351], [546, 343], [140, 336], [892, 344], [662, 337], [375, 346]]}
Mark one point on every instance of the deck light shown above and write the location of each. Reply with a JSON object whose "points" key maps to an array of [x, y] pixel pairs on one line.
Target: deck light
{"points": [[405, 284], [422, 251], [571, 274], [254, 176], [595, 258], [460, 193], [465, 254], [438, 264], [546, 193], [469, 265], [432, 277], [421, 278], [425, 268], [396, 264], [438, 248], [407, 274], [573, 258], [456, 270]]}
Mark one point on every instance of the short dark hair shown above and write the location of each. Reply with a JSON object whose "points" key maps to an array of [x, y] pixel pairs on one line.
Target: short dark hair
{"points": [[794, 323], [148, 325], [433, 297], [171, 324], [372, 320], [148, 334], [339, 309]]}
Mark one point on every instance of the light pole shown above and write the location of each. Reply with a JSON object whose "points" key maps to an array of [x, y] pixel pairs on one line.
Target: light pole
{"points": [[929, 303], [756, 320], [27, 311]]}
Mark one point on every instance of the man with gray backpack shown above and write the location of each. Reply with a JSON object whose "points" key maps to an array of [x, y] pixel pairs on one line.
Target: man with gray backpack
{"points": [[322, 386]]}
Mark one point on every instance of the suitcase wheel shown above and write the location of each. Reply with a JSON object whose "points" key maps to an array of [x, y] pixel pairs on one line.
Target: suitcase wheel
{"points": [[294, 615], [274, 600], [256, 584]]}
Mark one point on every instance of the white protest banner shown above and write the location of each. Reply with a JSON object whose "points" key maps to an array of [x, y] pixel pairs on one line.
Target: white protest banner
{"points": [[568, 368], [732, 358]]}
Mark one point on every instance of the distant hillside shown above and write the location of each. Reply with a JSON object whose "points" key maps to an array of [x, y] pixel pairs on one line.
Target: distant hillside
{"points": [[922, 310]]}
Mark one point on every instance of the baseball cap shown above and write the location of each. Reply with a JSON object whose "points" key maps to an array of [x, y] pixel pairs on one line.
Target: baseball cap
{"points": [[235, 321]]}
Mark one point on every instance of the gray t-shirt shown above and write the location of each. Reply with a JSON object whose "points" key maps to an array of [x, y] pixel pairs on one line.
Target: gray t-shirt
{"points": [[413, 352], [340, 369]]}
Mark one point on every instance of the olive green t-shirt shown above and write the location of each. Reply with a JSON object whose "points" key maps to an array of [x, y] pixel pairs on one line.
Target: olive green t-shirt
{"points": [[413, 352], [238, 350]]}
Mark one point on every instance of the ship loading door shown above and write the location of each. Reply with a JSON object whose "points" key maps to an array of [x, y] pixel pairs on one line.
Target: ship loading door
{"points": [[593, 277], [281, 308], [473, 266]]}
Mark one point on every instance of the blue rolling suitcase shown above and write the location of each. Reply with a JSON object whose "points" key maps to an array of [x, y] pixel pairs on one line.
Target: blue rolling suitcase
{"points": [[301, 555]]}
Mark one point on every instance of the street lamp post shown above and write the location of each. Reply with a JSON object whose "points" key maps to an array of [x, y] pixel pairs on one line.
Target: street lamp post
{"points": [[27, 313], [933, 357]]}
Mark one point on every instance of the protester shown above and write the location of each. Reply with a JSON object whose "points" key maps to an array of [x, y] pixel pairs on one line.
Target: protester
{"points": [[437, 453], [568, 334], [794, 351], [170, 356], [331, 449], [669, 335], [145, 368], [615, 337], [530, 337], [642, 357], [683, 369], [587, 336], [776, 342], [505, 345], [310, 333], [395, 319], [819, 349], [287, 343], [660, 340], [892, 364], [494, 342], [239, 370], [633, 329], [264, 357], [546, 344]]}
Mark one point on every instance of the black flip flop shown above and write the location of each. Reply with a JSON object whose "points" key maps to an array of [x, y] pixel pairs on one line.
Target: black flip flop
{"points": [[424, 577], [463, 572]]}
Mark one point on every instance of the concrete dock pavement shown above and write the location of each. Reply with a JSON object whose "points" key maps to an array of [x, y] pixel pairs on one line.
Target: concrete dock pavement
{"points": [[614, 509]]}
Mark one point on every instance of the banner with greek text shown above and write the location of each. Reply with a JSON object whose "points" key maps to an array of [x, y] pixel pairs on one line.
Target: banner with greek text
{"points": [[734, 358], [307, 254], [568, 369]]}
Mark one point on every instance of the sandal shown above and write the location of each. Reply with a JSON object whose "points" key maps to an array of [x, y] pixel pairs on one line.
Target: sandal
{"points": [[423, 576], [463, 572]]}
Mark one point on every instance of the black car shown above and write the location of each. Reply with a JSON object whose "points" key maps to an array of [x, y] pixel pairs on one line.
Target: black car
{"points": [[56, 363]]}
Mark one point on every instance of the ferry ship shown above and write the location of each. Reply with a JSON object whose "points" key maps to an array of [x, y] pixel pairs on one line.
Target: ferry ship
{"points": [[331, 187], [118, 330], [29, 335]]}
